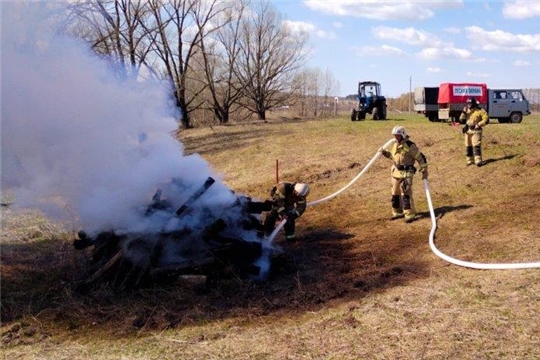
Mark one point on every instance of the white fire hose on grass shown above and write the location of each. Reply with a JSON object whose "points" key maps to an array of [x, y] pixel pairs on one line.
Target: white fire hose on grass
{"points": [[433, 226], [461, 262]]}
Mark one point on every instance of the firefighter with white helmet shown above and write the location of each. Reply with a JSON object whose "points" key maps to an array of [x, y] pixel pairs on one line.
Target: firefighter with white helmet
{"points": [[404, 153], [475, 119], [288, 202]]}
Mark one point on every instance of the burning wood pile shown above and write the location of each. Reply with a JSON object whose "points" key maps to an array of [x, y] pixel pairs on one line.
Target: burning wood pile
{"points": [[196, 238]]}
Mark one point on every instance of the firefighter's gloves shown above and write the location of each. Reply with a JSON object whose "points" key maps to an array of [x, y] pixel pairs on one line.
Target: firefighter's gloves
{"points": [[465, 129], [424, 172], [293, 215], [472, 128], [385, 153]]}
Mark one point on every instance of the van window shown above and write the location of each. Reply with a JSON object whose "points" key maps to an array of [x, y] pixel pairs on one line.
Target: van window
{"points": [[516, 95], [499, 94]]}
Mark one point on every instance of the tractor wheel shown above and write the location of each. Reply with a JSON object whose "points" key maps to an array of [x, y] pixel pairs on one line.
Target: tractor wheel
{"points": [[383, 113], [375, 113], [361, 115], [516, 117], [353, 114]]}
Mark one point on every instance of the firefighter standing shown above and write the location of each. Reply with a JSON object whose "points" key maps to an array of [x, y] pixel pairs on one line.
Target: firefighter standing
{"points": [[475, 119], [404, 153], [288, 202]]}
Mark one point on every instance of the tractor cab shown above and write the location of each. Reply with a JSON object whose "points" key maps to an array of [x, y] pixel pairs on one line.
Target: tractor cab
{"points": [[370, 100]]}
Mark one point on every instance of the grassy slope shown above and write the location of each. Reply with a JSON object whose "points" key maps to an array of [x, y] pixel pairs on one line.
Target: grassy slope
{"points": [[355, 285]]}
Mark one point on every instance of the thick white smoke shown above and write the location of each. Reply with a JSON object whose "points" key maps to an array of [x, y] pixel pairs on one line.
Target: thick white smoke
{"points": [[75, 140]]}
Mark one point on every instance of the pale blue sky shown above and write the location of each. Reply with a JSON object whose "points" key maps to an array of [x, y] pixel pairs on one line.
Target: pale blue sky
{"points": [[430, 42]]}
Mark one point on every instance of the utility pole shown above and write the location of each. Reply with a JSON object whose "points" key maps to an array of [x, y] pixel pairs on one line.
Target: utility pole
{"points": [[410, 92]]}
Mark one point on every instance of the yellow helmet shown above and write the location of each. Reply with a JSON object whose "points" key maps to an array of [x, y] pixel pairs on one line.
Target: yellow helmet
{"points": [[301, 189]]}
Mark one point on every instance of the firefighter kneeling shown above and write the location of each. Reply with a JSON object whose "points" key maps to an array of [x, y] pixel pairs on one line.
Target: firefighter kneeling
{"points": [[288, 202]]}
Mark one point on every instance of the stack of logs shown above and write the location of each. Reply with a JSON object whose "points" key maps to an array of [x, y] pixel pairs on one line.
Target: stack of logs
{"points": [[140, 260]]}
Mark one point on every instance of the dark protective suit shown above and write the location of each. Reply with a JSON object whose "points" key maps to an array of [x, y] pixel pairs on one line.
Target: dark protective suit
{"points": [[285, 204]]}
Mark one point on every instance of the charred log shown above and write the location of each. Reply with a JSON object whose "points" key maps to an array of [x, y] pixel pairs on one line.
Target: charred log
{"points": [[256, 207], [209, 182]]}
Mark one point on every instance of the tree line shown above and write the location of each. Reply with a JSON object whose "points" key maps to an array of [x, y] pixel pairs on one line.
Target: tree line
{"points": [[219, 59], [533, 95]]}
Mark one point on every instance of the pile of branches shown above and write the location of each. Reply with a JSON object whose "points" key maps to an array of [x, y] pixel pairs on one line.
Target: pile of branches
{"points": [[131, 261]]}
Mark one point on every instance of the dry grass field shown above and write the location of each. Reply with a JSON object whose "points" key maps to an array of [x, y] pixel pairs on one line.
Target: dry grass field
{"points": [[354, 286]]}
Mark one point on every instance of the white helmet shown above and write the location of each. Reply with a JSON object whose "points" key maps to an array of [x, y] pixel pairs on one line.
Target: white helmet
{"points": [[399, 130], [301, 189]]}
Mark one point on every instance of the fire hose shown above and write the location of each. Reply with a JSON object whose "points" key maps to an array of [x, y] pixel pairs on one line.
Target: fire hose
{"points": [[483, 266], [331, 196], [468, 264], [353, 180]]}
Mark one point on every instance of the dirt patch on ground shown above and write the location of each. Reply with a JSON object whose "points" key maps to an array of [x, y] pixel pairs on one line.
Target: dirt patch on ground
{"points": [[531, 161], [326, 174]]}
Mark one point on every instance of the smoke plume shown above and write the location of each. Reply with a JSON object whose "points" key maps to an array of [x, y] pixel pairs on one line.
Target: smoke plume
{"points": [[78, 143]]}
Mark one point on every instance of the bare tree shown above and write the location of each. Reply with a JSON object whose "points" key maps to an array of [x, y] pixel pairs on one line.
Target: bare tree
{"points": [[301, 83], [116, 29], [161, 35], [270, 54], [533, 96], [220, 56], [400, 103], [330, 86], [182, 26], [314, 91]]}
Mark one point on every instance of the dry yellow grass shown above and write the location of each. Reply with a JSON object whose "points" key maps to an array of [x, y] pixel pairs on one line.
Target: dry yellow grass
{"points": [[354, 286]]}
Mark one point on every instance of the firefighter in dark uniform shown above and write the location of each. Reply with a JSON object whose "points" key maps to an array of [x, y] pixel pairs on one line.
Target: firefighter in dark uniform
{"points": [[404, 153], [475, 119], [288, 202]]}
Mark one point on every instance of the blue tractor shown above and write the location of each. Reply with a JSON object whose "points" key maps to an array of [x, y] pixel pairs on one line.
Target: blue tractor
{"points": [[370, 101]]}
